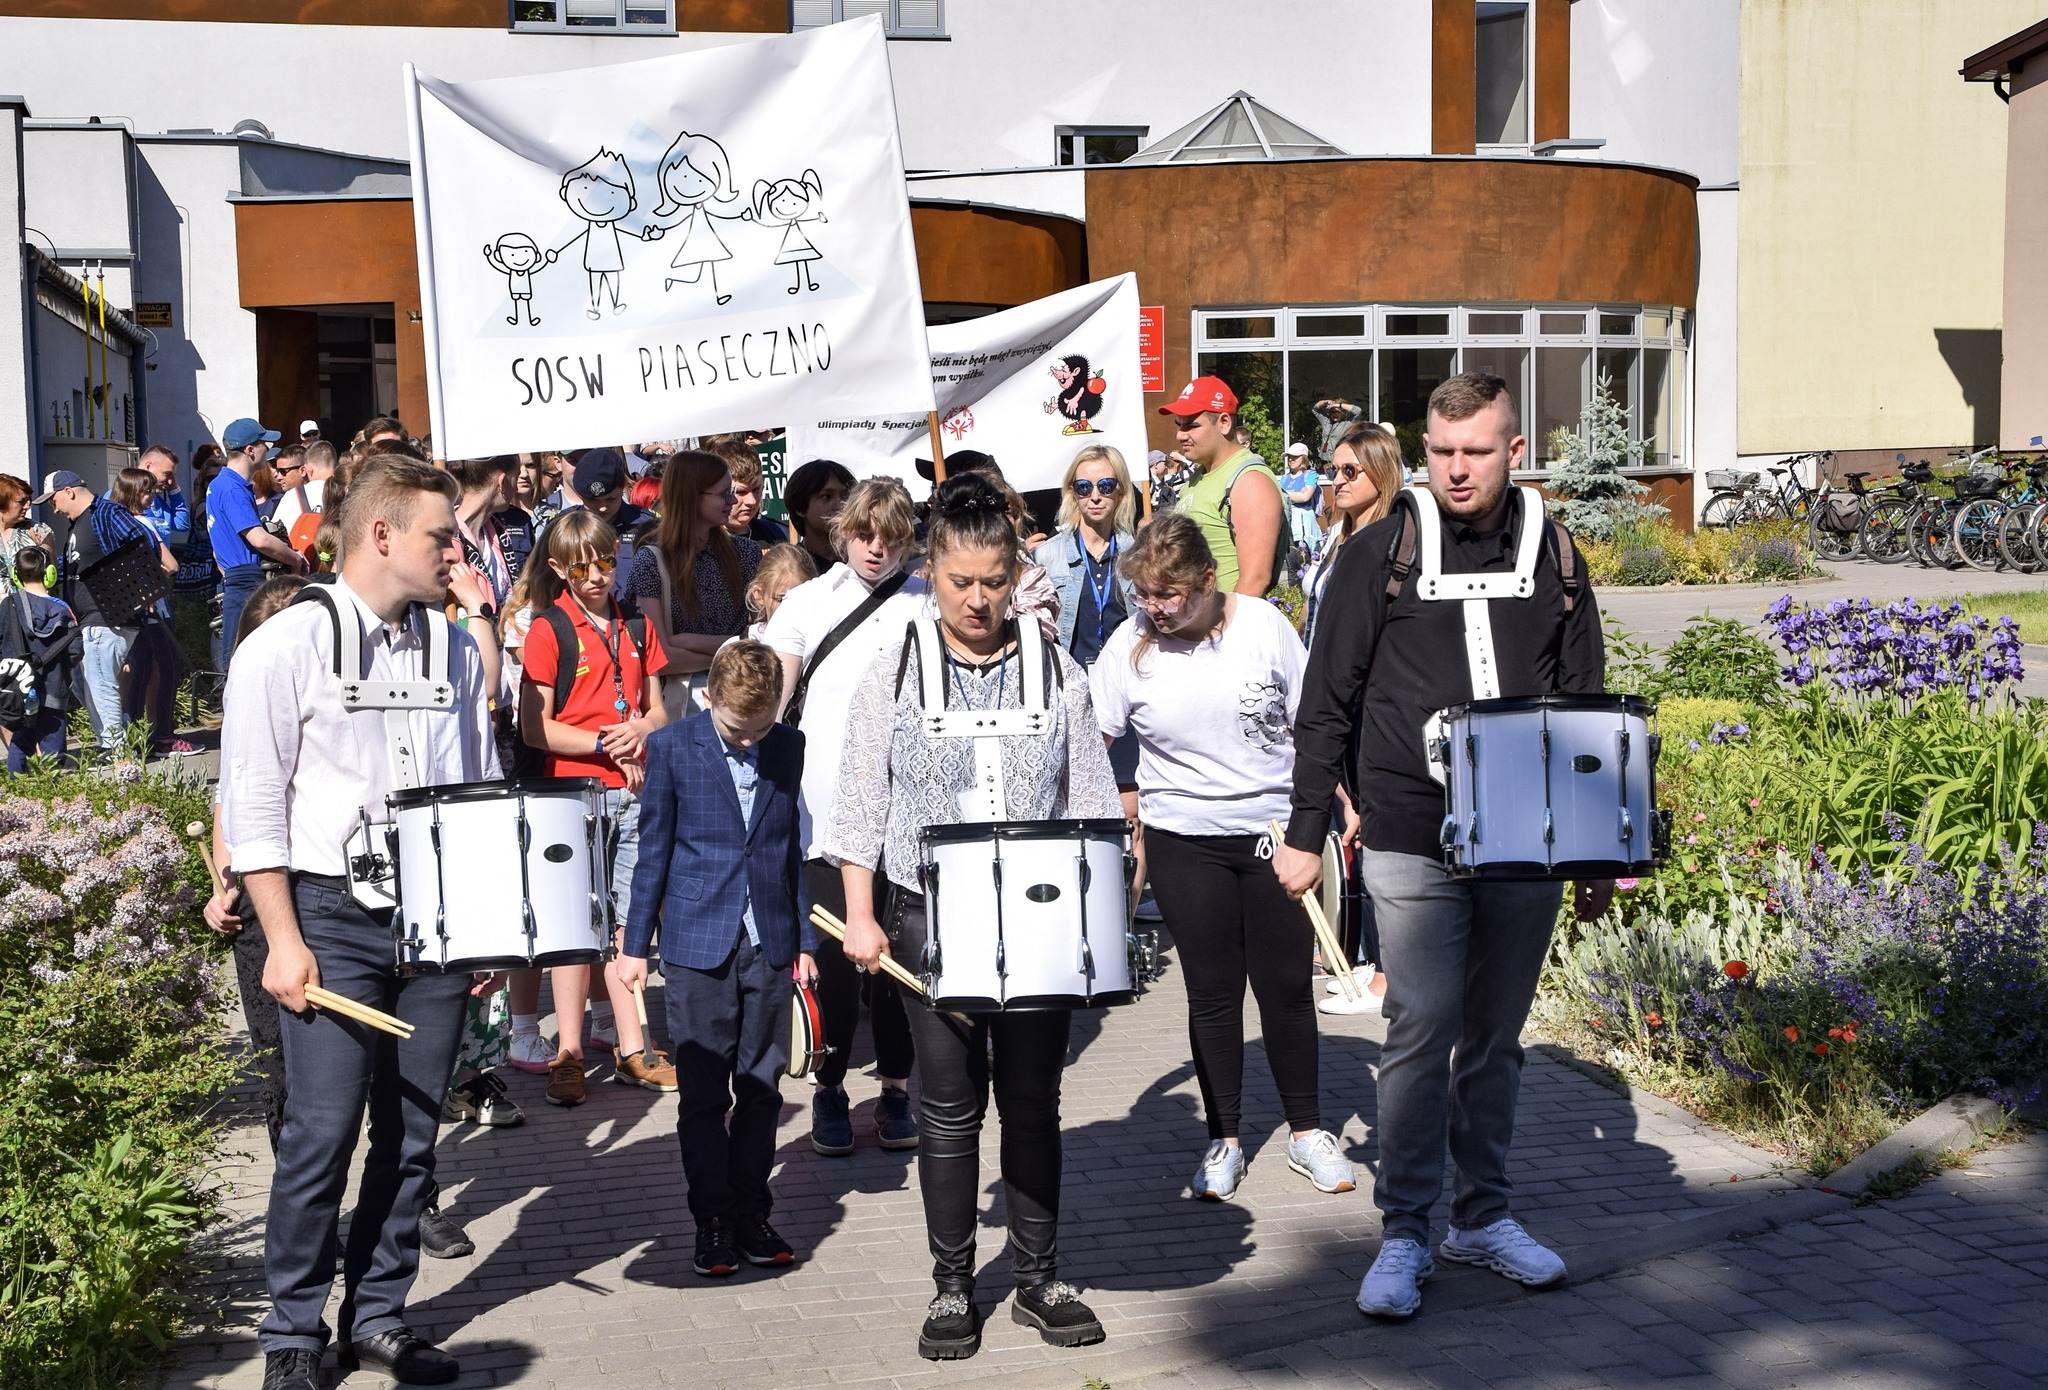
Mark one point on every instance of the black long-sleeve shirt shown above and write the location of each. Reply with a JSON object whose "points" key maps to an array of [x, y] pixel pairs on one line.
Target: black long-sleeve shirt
{"points": [[1419, 667]]}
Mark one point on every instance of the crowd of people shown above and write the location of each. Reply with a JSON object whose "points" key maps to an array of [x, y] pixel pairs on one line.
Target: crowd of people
{"points": [[735, 686]]}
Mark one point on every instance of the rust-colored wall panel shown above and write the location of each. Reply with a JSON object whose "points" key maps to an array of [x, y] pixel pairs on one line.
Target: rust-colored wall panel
{"points": [[1553, 70], [699, 16], [1453, 77], [972, 255], [287, 365], [1391, 231]]}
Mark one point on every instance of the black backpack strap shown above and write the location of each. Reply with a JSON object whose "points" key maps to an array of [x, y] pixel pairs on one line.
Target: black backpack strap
{"points": [[880, 595], [1560, 542], [903, 661], [1400, 555], [568, 651], [324, 596]]}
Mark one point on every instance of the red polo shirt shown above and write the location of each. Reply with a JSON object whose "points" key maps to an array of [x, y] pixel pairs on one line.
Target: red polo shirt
{"points": [[592, 702]]}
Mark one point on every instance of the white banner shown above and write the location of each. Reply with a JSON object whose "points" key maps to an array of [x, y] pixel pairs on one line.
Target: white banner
{"points": [[706, 242], [1029, 385]]}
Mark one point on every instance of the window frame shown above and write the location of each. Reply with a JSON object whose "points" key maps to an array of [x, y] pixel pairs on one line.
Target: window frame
{"points": [[891, 14], [1063, 137], [1528, 8], [620, 28]]}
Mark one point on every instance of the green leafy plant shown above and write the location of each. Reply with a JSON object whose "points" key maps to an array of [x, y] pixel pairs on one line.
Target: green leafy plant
{"points": [[1258, 420], [1719, 659]]}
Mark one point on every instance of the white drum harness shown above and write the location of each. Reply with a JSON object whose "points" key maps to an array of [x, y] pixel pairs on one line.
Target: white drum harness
{"points": [[987, 799]]}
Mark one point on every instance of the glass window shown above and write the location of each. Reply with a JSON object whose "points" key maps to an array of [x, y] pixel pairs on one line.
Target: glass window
{"points": [[1476, 322], [1573, 324], [1253, 376], [1418, 325], [1512, 365], [1502, 108], [1657, 413], [1329, 325], [1228, 329], [1656, 324], [1614, 371], [900, 18], [1075, 145], [595, 16], [1407, 376], [1325, 375], [1560, 396], [1613, 325]]}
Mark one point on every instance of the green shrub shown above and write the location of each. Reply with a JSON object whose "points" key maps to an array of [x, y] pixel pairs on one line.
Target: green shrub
{"points": [[1719, 659]]}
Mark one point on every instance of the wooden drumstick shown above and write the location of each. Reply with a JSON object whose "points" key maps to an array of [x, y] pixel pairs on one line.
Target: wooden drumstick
{"points": [[640, 1004], [359, 1011], [836, 929], [198, 831], [1332, 945]]}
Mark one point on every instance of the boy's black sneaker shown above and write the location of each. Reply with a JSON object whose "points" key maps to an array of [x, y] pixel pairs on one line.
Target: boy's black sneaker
{"points": [[294, 1368], [952, 1328], [1056, 1310], [442, 1238], [716, 1257], [759, 1244]]}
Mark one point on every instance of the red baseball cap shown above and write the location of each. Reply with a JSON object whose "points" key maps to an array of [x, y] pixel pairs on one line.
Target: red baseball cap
{"points": [[1204, 393]]}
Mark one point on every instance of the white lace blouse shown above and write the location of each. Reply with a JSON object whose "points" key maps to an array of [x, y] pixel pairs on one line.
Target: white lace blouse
{"points": [[895, 781]]}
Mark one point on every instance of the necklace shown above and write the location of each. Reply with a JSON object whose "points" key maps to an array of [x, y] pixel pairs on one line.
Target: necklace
{"points": [[956, 664]]}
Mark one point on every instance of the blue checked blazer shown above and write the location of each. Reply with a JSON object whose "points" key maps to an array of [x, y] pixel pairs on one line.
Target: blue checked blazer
{"points": [[697, 859]]}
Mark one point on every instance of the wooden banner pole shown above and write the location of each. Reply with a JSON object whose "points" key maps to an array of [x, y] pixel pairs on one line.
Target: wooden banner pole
{"points": [[938, 450]]}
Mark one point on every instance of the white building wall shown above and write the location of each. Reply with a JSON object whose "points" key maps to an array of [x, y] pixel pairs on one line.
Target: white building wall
{"points": [[78, 182], [18, 436]]}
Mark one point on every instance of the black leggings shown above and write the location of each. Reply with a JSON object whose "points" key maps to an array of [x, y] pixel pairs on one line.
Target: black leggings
{"points": [[954, 1072], [1233, 924], [841, 989]]}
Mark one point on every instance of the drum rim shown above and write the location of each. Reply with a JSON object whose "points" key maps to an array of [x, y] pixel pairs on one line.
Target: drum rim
{"points": [[1525, 704], [410, 797], [1021, 830]]}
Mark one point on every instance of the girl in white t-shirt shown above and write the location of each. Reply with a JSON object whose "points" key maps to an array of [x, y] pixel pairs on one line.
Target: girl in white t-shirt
{"points": [[1209, 682]]}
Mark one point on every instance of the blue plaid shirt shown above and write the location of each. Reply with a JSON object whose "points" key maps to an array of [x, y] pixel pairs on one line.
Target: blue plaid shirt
{"points": [[745, 766]]}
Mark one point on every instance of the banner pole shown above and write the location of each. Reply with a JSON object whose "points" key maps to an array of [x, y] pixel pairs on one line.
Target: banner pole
{"points": [[938, 452], [1145, 496]]}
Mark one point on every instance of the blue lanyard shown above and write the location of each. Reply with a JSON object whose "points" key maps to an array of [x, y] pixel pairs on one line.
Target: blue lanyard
{"points": [[1100, 591]]}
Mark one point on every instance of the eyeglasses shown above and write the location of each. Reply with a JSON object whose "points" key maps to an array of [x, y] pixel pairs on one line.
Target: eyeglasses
{"points": [[1348, 471], [580, 570], [1108, 487], [1159, 603]]}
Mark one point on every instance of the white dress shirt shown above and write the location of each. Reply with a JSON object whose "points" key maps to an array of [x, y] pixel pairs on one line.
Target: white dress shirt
{"points": [[298, 769]]}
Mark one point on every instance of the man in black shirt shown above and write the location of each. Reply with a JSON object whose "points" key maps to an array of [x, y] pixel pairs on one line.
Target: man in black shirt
{"points": [[1462, 955]]}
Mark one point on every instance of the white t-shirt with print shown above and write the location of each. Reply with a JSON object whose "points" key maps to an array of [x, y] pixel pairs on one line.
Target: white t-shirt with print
{"points": [[807, 616], [1214, 719]]}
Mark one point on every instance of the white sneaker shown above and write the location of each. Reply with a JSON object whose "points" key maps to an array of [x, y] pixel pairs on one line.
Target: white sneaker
{"points": [[1331, 986], [1317, 1157], [1221, 1170], [532, 1052], [1506, 1248], [1392, 1288], [1366, 1003]]}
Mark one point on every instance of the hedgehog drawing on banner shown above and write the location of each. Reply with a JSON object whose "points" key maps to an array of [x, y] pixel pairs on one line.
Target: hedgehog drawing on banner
{"points": [[695, 177], [516, 256], [788, 204], [600, 192]]}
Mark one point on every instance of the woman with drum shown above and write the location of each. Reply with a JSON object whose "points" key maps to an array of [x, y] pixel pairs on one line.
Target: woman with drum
{"points": [[910, 781], [1209, 682]]}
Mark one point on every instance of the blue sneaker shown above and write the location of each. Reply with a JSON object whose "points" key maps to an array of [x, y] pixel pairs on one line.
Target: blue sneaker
{"points": [[831, 1125], [1315, 1156], [1392, 1288], [895, 1126], [1221, 1170]]}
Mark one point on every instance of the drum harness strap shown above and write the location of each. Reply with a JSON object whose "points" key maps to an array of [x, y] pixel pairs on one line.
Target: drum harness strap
{"points": [[987, 727]]}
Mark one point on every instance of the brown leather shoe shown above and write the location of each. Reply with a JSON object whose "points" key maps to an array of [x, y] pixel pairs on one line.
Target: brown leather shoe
{"points": [[651, 1069], [565, 1080]]}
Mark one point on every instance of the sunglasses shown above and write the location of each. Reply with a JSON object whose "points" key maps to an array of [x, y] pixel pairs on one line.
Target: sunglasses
{"points": [[1348, 471], [580, 570], [1108, 487]]}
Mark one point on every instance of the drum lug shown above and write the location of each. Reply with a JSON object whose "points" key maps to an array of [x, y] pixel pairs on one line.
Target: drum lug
{"points": [[1549, 828], [1085, 958], [1472, 829], [1448, 835], [1628, 826]]}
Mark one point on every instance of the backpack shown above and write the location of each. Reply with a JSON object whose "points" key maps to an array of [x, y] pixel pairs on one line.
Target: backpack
{"points": [[36, 673], [1283, 538], [566, 642]]}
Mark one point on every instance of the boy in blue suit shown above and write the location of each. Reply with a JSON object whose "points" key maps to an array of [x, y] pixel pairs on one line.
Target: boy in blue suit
{"points": [[721, 871]]}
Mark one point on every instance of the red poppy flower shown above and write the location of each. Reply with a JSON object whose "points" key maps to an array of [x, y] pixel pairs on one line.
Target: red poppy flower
{"points": [[1792, 1033], [1654, 1019], [1735, 970], [1849, 1035], [1821, 1048], [1834, 1032]]}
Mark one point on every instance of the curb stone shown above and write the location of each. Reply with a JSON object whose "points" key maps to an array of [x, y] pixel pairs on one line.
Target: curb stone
{"points": [[1954, 1123]]}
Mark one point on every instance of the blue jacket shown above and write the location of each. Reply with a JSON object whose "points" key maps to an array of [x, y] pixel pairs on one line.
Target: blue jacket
{"points": [[697, 861], [1061, 557]]}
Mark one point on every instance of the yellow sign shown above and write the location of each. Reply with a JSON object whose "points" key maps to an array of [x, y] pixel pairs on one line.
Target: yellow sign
{"points": [[153, 313]]}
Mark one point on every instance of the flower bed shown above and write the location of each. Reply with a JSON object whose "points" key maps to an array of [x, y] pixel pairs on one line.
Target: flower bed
{"points": [[109, 1042], [1851, 922], [1660, 553]]}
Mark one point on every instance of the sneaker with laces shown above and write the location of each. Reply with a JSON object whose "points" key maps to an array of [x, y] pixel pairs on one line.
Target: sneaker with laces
{"points": [[716, 1257], [482, 1098], [532, 1053], [1056, 1310], [1505, 1248], [831, 1123], [1315, 1156], [759, 1243], [895, 1126], [294, 1368], [1366, 1003], [952, 1328], [651, 1069], [442, 1238], [1220, 1171], [565, 1080], [1392, 1288]]}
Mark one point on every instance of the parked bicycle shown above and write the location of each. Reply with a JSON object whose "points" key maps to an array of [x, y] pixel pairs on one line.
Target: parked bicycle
{"points": [[1887, 532], [1743, 498]]}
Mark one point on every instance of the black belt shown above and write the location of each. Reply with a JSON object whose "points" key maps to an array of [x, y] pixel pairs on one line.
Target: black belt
{"points": [[334, 881]]}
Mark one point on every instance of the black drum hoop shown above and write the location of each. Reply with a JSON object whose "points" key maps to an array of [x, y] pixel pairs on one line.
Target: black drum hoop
{"points": [[450, 792], [968, 832]]}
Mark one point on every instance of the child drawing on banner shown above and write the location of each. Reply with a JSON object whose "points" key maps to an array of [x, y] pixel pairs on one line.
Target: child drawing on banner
{"points": [[515, 256], [694, 175], [600, 191], [787, 203], [1080, 397]]}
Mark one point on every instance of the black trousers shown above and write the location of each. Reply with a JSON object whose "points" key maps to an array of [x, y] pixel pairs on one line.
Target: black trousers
{"points": [[841, 989], [334, 1069], [729, 1029], [956, 1066], [1234, 925]]}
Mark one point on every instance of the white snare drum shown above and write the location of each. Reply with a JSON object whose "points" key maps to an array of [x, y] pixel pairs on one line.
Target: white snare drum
{"points": [[501, 875], [1551, 787], [1027, 915]]}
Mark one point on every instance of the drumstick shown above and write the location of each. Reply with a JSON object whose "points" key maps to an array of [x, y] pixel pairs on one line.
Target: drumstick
{"points": [[360, 1012], [1332, 946], [198, 831], [836, 929], [640, 1004]]}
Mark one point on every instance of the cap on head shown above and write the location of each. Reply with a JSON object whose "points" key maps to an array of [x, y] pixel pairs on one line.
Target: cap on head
{"points": [[1297, 450], [240, 434], [1204, 393], [309, 429], [599, 474], [54, 483]]}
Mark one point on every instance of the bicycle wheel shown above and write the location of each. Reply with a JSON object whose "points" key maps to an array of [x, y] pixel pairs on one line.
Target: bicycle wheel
{"points": [[2016, 531], [1830, 544], [1722, 510], [1887, 531], [1938, 544], [1974, 533]]}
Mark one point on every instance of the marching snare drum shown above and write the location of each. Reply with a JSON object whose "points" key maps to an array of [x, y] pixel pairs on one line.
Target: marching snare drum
{"points": [[501, 875], [1551, 787], [1028, 915]]}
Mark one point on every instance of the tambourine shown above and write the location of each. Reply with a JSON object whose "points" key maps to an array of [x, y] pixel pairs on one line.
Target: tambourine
{"points": [[807, 1049]]}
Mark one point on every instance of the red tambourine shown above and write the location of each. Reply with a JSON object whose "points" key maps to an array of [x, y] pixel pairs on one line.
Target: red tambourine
{"points": [[807, 1047]]}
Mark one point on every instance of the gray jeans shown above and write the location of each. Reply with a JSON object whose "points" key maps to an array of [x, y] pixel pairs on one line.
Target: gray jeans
{"points": [[1462, 958]]}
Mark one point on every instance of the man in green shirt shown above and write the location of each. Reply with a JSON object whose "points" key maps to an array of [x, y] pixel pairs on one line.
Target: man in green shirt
{"points": [[1236, 500]]}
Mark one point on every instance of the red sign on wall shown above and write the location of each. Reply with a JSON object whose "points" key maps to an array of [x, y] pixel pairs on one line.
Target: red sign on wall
{"points": [[1152, 345]]}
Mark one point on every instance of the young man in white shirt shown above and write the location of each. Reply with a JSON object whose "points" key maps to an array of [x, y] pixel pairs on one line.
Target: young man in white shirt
{"points": [[300, 771], [826, 653]]}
